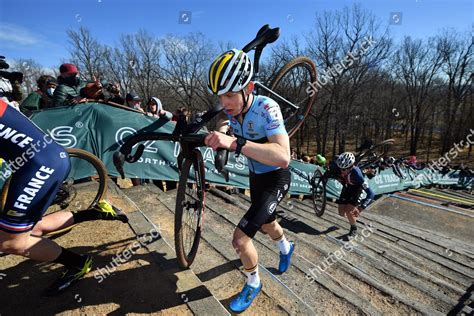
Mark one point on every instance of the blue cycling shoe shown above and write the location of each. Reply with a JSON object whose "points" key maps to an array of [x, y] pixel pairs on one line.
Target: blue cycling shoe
{"points": [[285, 259], [245, 298]]}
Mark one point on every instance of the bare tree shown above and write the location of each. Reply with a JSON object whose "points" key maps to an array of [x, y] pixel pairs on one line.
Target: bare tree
{"points": [[86, 52], [31, 72], [457, 52], [140, 61], [346, 44], [185, 67], [416, 65]]}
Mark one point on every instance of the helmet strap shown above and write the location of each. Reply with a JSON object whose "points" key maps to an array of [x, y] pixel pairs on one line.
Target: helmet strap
{"points": [[245, 102]]}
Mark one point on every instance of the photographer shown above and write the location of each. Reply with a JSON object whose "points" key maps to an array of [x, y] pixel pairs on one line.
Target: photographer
{"points": [[10, 84]]}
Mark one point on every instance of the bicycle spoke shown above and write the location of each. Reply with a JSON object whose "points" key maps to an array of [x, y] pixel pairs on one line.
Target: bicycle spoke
{"points": [[189, 208]]}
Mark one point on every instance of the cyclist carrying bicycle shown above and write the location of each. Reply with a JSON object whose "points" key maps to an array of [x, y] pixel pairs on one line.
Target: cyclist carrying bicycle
{"points": [[43, 165], [352, 179], [258, 125]]}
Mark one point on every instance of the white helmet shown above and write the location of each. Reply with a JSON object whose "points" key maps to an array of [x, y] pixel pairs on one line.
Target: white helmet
{"points": [[345, 160], [231, 71]]}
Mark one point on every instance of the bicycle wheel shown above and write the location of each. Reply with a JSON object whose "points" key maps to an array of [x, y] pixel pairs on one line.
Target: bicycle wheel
{"points": [[318, 193], [80, 191], [76, 188], [291, 83], [189, 212]]}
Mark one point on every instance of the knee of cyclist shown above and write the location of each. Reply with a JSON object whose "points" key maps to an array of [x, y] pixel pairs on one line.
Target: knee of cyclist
{"points": [[38, 230], [238, 244]]}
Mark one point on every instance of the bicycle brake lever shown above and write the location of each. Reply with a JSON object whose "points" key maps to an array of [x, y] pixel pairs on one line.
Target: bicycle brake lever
{"points": [[119, 160], [133, 158]]}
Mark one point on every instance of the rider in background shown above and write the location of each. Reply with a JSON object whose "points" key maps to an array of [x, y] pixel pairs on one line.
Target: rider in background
{"points": [[352, 179], [320, 160], [37, 168], [258, 125]]}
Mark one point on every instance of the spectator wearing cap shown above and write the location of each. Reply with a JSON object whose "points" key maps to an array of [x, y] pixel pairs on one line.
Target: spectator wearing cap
{"points": [[69, 86], [154, 108], [42, 98], [134, 101]]}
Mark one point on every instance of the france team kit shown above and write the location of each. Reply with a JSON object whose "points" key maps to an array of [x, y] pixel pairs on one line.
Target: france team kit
{"points": [[36, 167]]}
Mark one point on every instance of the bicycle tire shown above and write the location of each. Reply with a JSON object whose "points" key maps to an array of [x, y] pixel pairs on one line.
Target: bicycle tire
{"points": [[293, 118], [101, 171], [99, 168], [318, 194], [186, 242]]}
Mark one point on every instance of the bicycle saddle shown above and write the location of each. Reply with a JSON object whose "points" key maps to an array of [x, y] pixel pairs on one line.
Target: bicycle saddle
{"points": [[265, 35]]}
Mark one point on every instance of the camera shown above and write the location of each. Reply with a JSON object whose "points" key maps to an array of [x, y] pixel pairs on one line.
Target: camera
{"points": [[12, 76]]}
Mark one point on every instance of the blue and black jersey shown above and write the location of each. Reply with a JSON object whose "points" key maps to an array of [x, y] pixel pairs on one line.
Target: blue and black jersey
{"points": [[262, 120], [36, 166]]}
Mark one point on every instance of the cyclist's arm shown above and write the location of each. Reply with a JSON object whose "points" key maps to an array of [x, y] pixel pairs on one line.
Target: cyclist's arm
{"points": [[275, 153], [222, 123], [370, 195]]}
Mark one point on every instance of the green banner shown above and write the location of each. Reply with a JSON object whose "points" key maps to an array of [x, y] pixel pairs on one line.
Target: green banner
{"points": [[102, 129]]}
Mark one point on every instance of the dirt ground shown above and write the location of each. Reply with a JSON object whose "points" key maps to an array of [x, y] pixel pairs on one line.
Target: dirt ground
{"points": [[136, 286]]}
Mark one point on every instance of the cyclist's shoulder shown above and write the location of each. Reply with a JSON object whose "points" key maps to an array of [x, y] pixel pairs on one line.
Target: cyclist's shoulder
{"points": [[265, 103], [356, 176], [267, 109]]}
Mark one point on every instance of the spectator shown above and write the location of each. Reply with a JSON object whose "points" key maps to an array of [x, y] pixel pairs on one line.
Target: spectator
{"points": [[93, 90], [10, 85], [69, 87], [114, 90], [42, 98], [180, 112], [294, 154], [134, 101], [154, 108]]}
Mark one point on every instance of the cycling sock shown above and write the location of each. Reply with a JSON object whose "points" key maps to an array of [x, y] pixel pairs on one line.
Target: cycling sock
{"points": [[70, 259], [353, 227], [253, 279], [87, 215], [283, 244]]}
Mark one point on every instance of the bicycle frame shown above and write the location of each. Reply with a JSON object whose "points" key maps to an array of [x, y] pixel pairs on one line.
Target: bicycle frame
{"points": [[259, 85]]}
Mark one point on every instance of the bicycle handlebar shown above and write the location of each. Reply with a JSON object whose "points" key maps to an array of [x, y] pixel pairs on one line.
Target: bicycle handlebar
{"points": [[197, 140], [125, 152]]}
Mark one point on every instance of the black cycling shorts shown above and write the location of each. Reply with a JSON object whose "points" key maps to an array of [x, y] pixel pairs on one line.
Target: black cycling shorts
{"points": [[351, 194], [266, 192]]}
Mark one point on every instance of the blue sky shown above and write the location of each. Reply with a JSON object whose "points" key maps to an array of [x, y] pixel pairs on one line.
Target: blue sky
{"points": [[37, 29]]}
